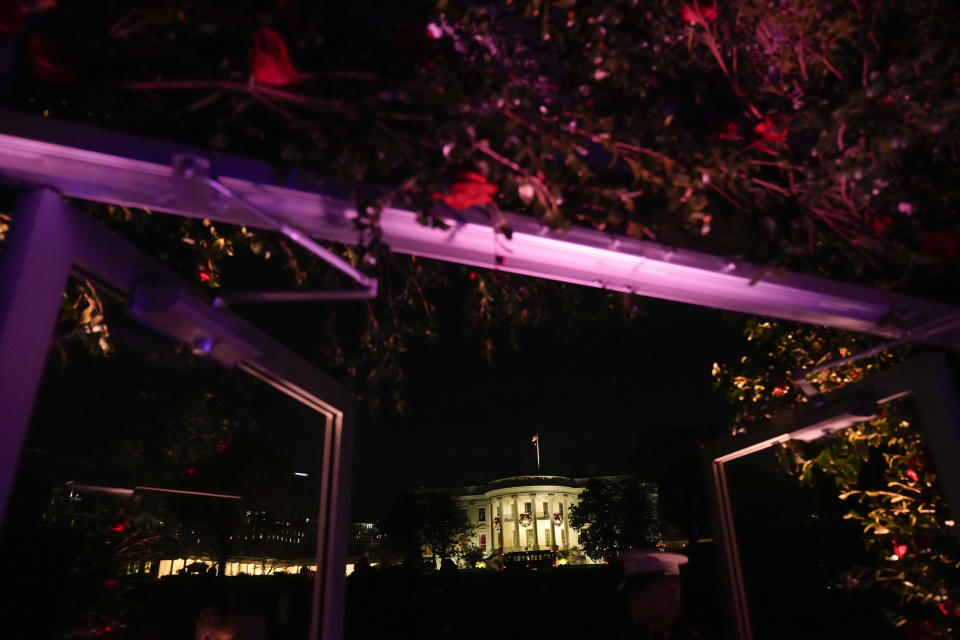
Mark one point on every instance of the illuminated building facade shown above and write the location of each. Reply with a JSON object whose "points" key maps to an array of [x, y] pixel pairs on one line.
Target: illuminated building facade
{"points": [[522, 513], [256, 542]]}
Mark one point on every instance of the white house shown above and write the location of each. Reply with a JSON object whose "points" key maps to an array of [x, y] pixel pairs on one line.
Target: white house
{"points": [[522, 513]]}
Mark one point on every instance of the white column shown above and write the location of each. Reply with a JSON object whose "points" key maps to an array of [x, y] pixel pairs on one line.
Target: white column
{"points": [[491, 514], [502, 520], [533, 520], [516, 523], [553, 528]]}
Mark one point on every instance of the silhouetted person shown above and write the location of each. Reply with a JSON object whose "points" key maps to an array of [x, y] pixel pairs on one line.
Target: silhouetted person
{"points": [[653, 588]]}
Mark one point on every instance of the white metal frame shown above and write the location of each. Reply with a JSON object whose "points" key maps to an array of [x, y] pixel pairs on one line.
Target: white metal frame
{"points": [[927, 379], [48, 242], [103, 166], [92, 164]]}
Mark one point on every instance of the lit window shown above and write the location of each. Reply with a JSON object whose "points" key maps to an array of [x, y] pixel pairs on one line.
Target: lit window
{"points": [[482, 514], [483, 541], [546, 509], [526, 507]]}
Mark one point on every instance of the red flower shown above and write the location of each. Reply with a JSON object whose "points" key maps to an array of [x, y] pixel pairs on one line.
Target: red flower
{"points": [[469, 189], [942, 244], [271, 62], [881, 225], [47, 62], [913, 475], [767, 129], [899, 550], [204, 276], [118, 527], [772, 130], [947, 607], [694, 13], [729, 131]]}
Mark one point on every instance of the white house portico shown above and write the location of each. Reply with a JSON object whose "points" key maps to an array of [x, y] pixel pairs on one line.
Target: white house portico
{"points": [[522, 513]]}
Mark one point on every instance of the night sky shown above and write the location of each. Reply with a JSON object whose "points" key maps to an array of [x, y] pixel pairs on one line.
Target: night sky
{"points": [[596, 394], [603, 394]]}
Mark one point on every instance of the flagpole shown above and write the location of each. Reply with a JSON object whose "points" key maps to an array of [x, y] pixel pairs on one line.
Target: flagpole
{"points": [[538, 451]]}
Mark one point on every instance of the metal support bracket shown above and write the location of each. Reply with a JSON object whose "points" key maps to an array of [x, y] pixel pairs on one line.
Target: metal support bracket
{"points": [[171, 310], [193, 187], [932, 332], [105, 166], [189, 181], [48, 241]]}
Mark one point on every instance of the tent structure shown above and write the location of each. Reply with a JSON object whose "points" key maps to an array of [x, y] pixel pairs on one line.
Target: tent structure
{"points": [[49, 240], [92, 164]]}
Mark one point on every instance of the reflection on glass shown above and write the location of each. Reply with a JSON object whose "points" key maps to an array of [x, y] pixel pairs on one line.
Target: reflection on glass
{"points": [[802, 546], [159, 495]]}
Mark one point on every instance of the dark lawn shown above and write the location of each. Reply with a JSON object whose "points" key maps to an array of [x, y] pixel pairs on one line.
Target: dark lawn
{"points": [[560, 603]]}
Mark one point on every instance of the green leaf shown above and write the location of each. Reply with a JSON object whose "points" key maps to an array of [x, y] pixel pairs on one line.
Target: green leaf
{"points": [[861, 449]]}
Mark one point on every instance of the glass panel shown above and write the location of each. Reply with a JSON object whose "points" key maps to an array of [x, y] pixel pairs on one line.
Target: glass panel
{"points": [[158, 493], [800, 556]]}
